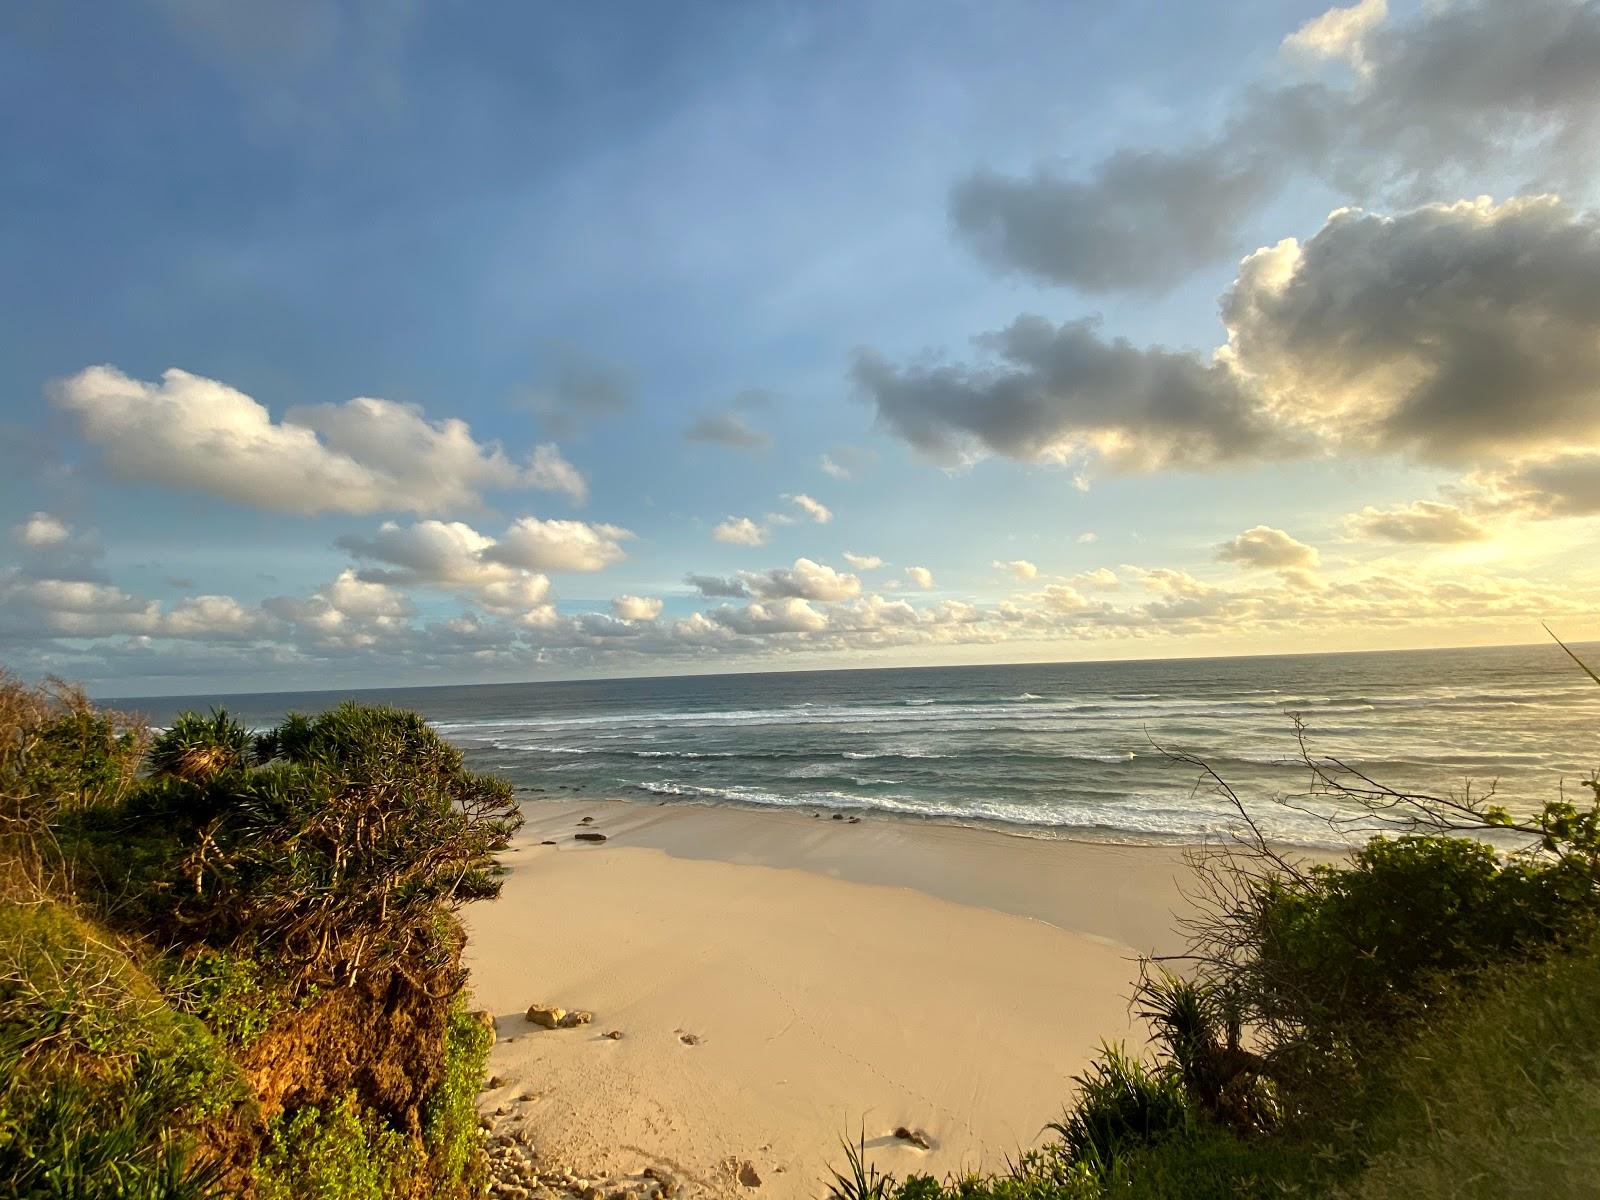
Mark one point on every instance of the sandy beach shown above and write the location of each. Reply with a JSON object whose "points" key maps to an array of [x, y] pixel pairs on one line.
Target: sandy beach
{"points": [[781, 979]]}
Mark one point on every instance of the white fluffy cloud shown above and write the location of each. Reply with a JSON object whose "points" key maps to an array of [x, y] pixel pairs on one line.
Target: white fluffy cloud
{"points": [[41, 529], [367, 455], [1340, 34], [863, 562], [920, 576], [637, 608], [1424, 521], [740, 531], [815, 509], [427, 552], [1018, 568], [535, 545], [805, 580], [1268, 548]]}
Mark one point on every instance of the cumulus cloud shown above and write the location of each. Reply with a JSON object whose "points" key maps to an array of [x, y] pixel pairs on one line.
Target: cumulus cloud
{"points": [[1453, 331], [920, 576], [1340, 34], [1424, 521], [40, 530], [1057, 393], [559, 545], [637, 608], [863, 562], [815, 509], [348, 614], [1268, 548], [794, 615], [507, 571], [1087, 537], [214, 617], [717, 585], [426, 552], [1462, 87], [805, 580], [831, 467], [1019, 568], [740, 531], [1562, 484], [366, 455], [1453, 334], [1100, 579]]}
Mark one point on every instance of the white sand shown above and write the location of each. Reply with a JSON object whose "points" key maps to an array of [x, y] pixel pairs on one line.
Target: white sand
{"points": [[838, 977]]}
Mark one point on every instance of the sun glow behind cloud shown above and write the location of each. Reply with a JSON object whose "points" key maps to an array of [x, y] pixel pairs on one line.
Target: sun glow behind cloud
{"points": [[1385, 430]]}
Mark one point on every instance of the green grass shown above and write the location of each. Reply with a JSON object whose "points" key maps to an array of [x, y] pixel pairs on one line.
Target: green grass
{"points": [[101, 1081], [1500, 1100]]}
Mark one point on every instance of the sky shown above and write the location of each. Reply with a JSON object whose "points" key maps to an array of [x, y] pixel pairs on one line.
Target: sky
{"points": [[386, 342]]}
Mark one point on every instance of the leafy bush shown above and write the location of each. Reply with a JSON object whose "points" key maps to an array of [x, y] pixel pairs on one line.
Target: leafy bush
{"points": [[198, 749], [226, 991], [331, 1154], [1375, 942], [339, 854], [450, 1130], [102, 1084], [156, 929], [1122, 1103]]}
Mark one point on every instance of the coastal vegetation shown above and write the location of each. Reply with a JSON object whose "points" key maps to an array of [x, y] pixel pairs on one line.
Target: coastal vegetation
{"points": [[229, 963], [1419, 1019]]}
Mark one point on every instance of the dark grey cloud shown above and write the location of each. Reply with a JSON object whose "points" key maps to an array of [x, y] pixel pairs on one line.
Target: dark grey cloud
{"points": [[1511, 87], [578, 388], [1143, 220], [1564, 484], [717, 585], [731, 426], [1060, 392], [1462, 334], [729, 429], [1458, 333]]}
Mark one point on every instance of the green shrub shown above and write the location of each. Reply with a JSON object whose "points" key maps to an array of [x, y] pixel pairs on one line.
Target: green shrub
{"points": [[1500, 1097], [101, 1082], [450, 1130], [1122, 1103], [339, 856], [198, 749], [228, 992], [337, 1153], [1373, 943]]}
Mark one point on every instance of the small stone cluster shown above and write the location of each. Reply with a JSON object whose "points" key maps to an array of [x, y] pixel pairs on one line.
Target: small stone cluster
{"points": [[515, 1173]]}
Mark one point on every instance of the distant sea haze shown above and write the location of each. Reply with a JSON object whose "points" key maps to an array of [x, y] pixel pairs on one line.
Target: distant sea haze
{"points": [[1064, 749]]}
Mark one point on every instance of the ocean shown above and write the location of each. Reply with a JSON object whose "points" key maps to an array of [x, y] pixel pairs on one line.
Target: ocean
{"points": [[1061, 749]]}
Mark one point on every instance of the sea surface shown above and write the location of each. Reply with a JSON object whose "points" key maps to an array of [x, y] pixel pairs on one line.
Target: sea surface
{"points": [[1068, 749]]}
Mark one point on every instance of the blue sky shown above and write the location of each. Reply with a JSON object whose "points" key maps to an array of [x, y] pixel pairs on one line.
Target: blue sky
{"points": [[662, 241]]}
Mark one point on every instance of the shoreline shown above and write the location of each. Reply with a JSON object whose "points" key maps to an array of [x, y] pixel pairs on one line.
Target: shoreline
{"points": [[781, 979]]}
